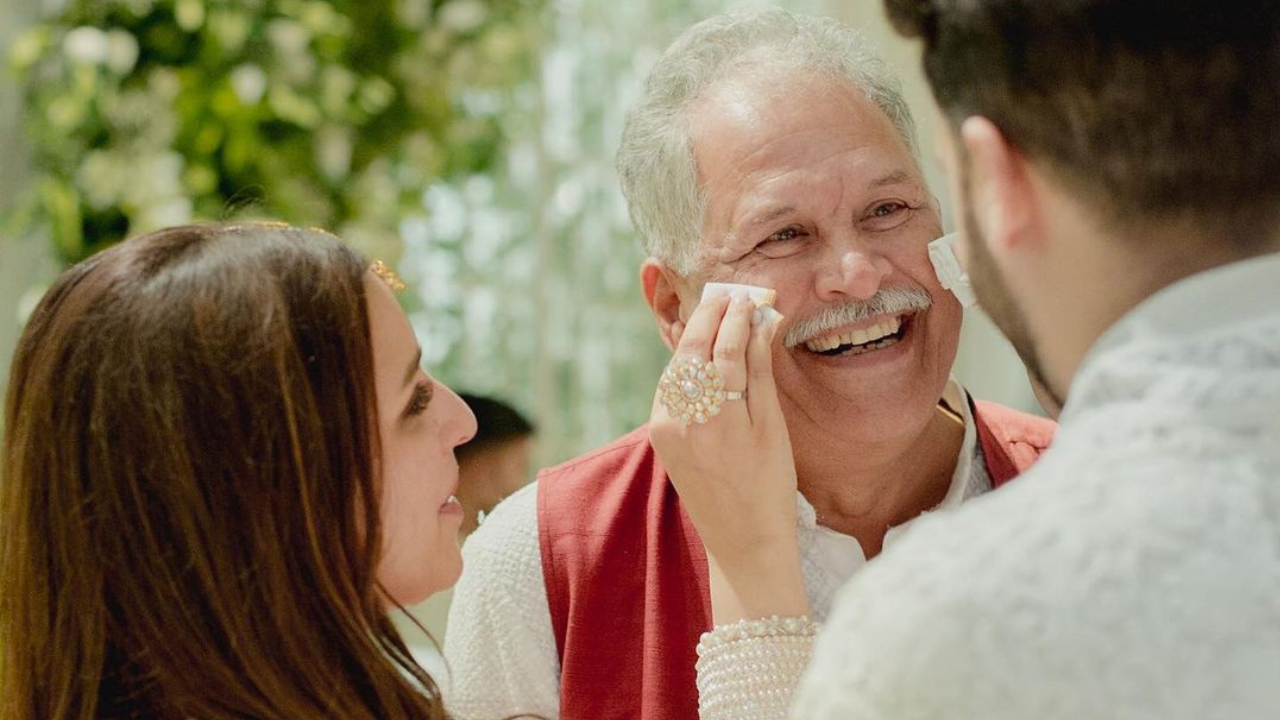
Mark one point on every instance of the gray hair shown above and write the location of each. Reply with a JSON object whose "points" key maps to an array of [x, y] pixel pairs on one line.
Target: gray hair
{"points": [[655, 159]]}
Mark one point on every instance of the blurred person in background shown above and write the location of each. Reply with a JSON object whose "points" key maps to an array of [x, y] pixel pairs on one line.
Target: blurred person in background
{"points": [[223, 465], [494, 463]]}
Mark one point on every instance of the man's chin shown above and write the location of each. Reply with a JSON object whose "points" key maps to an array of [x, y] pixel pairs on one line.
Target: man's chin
{"points": [[860, 402]]}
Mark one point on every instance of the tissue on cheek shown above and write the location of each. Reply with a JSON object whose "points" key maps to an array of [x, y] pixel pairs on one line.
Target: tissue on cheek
{"points": [[762, 297], [946, 265]]}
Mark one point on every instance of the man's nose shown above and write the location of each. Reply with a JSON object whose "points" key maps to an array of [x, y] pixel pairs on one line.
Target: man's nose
{"points": [[855, 272]]}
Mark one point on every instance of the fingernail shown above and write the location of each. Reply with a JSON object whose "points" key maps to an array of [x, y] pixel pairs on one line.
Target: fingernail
{"points": [[757, 317], [770, 314]]}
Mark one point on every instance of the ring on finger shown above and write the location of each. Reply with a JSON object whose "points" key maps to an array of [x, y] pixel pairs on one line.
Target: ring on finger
{"points": [[692, 390]]}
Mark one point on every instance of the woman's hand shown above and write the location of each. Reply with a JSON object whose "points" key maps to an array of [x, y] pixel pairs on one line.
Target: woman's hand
{"points": [[735, 473]]}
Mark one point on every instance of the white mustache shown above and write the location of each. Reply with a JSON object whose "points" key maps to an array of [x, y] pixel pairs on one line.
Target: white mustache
{"points": [[890, 301]]}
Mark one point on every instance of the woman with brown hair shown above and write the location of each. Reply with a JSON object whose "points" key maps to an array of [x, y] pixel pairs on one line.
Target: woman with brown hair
{"points": [[222, 466]]}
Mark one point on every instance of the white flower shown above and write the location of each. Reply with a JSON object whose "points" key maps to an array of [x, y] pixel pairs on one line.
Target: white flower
{"points": [[122, 51], [288, 37], [166, 212], [155, 180], [86, 45], [333, 151], [448, 211], [164, 84], [189, 14], [98, 177], [249, 83], [462, 16], [337, 84]]}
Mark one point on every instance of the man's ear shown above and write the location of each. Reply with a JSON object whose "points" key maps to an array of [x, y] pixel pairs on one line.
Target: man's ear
{"points": [[662, 291], [1005, 200]]}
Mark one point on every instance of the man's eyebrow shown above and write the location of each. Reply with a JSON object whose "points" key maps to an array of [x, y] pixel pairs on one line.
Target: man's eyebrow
{"points": [[413, 367], [893, 178], [757, 221], [772, 215]]}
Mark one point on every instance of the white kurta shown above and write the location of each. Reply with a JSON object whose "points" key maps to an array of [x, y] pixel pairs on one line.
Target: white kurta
{"points": [[501, 648], [1133, 573]]}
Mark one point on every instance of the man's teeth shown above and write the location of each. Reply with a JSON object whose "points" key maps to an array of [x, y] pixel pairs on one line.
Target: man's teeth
{"points": [[879, 331]]}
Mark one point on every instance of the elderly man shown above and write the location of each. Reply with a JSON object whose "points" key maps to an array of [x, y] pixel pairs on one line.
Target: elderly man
{"points": [[1117, 164], [772, 150]]}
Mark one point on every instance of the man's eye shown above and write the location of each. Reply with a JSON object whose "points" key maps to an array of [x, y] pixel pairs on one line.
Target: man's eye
{"points": [[783, 235], [888, 215], [887, 209]]}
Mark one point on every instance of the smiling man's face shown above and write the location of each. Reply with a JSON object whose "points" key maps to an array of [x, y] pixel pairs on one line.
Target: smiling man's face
{"points": [[813, 192]]}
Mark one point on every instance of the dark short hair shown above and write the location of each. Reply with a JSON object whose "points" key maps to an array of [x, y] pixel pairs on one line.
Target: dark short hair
{"points": [[496, 422], [1146, 108]]}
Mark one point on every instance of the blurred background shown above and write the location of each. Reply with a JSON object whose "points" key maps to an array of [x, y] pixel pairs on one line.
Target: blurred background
{"points": [[469, 143]]}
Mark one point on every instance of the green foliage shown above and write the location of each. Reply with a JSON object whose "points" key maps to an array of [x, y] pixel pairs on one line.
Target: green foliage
{"points": [[337, 113]]}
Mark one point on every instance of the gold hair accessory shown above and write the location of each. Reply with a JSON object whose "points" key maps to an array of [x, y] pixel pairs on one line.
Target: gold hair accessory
{"points": [[388, 276]]}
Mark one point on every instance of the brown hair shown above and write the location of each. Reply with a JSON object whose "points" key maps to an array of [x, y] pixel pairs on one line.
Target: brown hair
{"points": [[190, 515], [1151, 110]]}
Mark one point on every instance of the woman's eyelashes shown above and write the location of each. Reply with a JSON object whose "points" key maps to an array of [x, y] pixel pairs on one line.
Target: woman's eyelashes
{"points": [[419, 400]]}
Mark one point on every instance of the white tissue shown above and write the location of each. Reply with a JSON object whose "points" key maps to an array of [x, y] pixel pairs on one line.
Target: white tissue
{"points": [[762, 297], [942, 253]]}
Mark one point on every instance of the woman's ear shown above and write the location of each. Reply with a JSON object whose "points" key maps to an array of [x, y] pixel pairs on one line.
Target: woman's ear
{"points": [[662, 291]]}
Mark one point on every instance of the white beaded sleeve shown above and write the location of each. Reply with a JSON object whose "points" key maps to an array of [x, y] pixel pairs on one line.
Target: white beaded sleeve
{"points": [[749, 670]]}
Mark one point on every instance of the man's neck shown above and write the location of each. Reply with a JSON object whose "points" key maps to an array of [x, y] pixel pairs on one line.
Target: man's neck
{"points": [[863, 490], [1107, 281]]}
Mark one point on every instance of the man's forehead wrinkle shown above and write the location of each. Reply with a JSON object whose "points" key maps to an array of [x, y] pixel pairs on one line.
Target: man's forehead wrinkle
{"points": [[896, 177], [770, 215]]}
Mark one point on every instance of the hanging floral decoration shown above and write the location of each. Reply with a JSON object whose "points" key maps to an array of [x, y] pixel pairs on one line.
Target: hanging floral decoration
{"points": [[337, 113]]}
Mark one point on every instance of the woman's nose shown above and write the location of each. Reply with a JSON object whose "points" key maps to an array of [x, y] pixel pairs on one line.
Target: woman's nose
{"points": [[462, 421]]}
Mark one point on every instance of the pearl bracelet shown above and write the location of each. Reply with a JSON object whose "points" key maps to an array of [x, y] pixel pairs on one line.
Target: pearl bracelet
{"points": [[772, 626]]}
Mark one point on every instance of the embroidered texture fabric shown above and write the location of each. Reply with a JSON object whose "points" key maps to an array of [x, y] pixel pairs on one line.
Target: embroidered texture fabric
{"points": [[500, 648]]}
